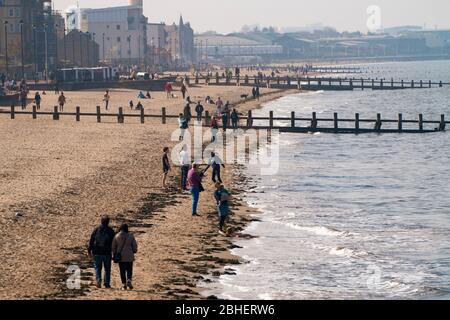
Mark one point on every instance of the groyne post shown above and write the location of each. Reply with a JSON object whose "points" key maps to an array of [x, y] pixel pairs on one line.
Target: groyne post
{"points": [[271, 119], [55, 113], [314, 121], [400, 122], [34, 112], [293, 119], [207, 118], [336, 121], [421, 122], [77, 113], [120, 118], [163, 115], [99, 116], [142, 116], [357, 122], [13, 111], [442, 125]]}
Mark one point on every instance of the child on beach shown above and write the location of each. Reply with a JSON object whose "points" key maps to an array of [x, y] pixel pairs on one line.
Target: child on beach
{"points": [[214, 129], [106, 98], [222, 197], [183, 124], [131, 104], [166, 166], [37, 100]]}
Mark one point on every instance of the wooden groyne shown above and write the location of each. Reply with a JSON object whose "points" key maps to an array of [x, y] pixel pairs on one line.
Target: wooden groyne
{"points": [[292, 124], [320, 83]]}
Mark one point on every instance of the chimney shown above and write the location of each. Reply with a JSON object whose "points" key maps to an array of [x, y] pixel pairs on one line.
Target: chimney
{"points": [[137, 3]]}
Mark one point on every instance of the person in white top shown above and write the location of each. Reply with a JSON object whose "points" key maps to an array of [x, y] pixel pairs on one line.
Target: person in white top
{"points": [[184, 165]]}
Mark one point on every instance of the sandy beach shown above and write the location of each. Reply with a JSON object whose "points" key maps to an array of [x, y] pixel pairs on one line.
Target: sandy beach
{"points": [[57, 179]]}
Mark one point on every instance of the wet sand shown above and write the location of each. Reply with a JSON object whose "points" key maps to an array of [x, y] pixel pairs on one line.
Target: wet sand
{"points": [[57, 178]]}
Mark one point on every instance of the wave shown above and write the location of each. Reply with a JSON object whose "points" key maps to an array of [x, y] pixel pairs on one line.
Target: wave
{"points": [[319, 230], [346, 252]]}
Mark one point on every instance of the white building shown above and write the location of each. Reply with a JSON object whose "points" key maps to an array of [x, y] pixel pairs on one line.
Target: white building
{"points": [[121, 32]]}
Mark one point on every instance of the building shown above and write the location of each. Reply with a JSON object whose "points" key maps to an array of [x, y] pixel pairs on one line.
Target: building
{"points": [[174, 43], [180, 42], [235, 48], [120, 32], [78, 49], [27, 26]]}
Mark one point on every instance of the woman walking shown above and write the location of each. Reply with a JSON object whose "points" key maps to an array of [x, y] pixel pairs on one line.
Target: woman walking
{"points": [[124, 247]]}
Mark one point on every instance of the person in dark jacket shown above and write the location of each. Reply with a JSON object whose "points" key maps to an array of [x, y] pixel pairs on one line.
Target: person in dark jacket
{"points": [[125, 244], [199, 109], [100, 249]]}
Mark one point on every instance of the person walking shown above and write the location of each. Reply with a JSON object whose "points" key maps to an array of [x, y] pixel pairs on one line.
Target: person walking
{"points": [[61, 101], [100, 249], [183, 125], [257, 93], [166, 165], [215, 162], [184, 166], [37, 100], [219, 105], [183, 90], [23, 98], [124, 247], [199, 110], [168, 89], [187, 112], [195, 186], [214, 129], [222, 197], [106, 98], [234, 119]]}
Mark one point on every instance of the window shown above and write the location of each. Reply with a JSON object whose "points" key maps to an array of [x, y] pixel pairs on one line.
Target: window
{"points": [[17, 12], [118, 27], [11, 12], [118, 39], [11, 27]]}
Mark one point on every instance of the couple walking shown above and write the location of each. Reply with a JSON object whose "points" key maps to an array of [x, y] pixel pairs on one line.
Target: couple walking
{"points": [[106, 246]]}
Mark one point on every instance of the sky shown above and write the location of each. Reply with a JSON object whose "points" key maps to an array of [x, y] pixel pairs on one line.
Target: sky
{"points": [[225, 16]]}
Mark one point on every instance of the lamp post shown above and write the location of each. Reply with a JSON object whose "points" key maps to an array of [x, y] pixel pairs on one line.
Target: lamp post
{"points": [[65, 49], [21, 49], [6, 48], [129, 49], [87, 45], [46, 52], [103, 48], [35, 51], [81, 49], [139, 60], [73, 48], [56, 45]]}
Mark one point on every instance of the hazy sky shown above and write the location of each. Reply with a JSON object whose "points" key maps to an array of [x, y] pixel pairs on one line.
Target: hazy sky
{"points": [[230, 15]]}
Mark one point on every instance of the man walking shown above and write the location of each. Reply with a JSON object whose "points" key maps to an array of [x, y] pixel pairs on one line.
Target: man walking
{"points": [[100, 249], [184, 163], [215, 162], [199, 110]]}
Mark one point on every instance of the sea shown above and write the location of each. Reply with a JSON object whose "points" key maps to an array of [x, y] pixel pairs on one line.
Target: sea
{"points": [[352, 216]]}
